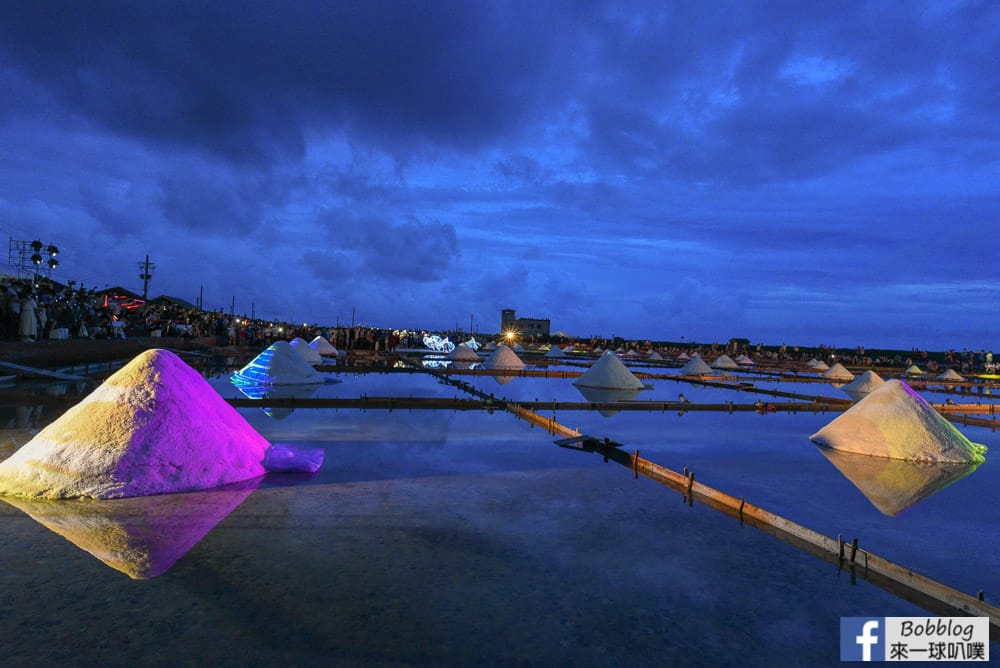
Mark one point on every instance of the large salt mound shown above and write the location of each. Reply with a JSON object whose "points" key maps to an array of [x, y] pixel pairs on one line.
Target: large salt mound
{"points": [[655, 357], [896, 422], [609, 373], [914, 370], [838, 372], [278, 364], [951, 374], [309, 354], [503, 358], [322, 346], [154, 427], [696, 367], [555, 351], [464, 353], [820, 366], [864, 384], [724, 362]]}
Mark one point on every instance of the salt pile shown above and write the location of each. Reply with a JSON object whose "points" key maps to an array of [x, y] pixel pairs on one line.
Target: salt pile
{"points": [[323, 347], [893, 485], [743, 360], [724, 362], [609, 373], [155, 426], [812, 363], [696, 367], [683, 357], [503, 358], [820, 366], [278, 364], [308, 353], [896, 422], [631, 353], [463, 353], [597, 351], [555, 351], [655, 357], [837, 372], [863, 384], [914, 370], [489, 346], [951, 374], [518, 348]]}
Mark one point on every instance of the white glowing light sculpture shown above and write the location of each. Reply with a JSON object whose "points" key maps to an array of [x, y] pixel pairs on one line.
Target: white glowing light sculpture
{"points": [[437, 344]]}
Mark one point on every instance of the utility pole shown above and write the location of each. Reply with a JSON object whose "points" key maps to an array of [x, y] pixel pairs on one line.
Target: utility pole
{"points": [[146, 268], [232, 308], [201, 296]]}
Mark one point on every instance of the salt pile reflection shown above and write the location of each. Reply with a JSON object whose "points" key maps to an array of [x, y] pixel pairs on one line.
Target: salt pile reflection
{"points": [[893, 485], [140, 536]]}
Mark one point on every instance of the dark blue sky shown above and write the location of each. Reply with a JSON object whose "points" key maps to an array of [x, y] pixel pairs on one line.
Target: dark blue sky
{"points": [[782, 171]]}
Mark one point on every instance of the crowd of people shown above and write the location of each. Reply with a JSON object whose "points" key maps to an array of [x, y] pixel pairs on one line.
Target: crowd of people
{"points": [[34, 311], [30, 311]]}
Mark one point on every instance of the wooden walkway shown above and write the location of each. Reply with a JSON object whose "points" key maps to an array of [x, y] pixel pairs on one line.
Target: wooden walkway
{"points": [[39, 373]]}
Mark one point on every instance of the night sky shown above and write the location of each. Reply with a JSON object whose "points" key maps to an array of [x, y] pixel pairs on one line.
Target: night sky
{"points": [[800, 172]]}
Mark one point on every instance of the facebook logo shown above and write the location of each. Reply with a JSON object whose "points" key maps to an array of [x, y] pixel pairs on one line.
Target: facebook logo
{"points": [[862, 639]]}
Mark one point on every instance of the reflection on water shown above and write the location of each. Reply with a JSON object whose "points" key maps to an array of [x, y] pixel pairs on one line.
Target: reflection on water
{"points": [[140, 536], [302, 391], [599, 395], [893, 485]]}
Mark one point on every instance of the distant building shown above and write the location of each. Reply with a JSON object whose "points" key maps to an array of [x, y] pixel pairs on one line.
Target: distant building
{"points": [[524, 326]]}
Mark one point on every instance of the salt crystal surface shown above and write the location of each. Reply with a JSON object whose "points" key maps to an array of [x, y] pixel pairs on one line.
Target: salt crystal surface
{"points": [[322, 346], [863, 384], [696, 367], [724, 362], [837, 372], [503, 358], [309, 354], [155, 426], [463, 352], [610, 373], [896, 422]]}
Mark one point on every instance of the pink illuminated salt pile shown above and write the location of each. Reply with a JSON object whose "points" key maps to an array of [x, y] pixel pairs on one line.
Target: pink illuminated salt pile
{"points": [[154, 427], [896, 422]]}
